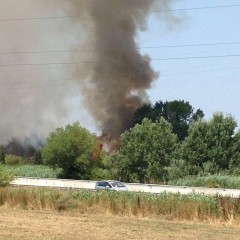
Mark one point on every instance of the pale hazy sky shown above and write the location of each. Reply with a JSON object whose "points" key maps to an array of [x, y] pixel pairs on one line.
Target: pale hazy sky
{"points": [[212, 84]]}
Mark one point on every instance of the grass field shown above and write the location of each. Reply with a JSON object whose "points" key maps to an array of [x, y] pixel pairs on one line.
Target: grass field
{"points": [[33, 225]]}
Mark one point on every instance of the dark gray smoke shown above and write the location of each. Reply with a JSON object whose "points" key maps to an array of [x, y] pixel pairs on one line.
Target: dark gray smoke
{"points": [[112, 76], [119, 75]]}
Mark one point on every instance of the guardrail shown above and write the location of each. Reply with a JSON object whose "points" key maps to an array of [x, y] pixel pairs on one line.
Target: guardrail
{"points": [[135, 187], [53, 182]]}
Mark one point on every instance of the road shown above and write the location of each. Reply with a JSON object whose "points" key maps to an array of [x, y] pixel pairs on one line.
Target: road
{"points": [[135, 187]]}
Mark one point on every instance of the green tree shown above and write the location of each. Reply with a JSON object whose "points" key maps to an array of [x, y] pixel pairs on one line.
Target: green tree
{"points": [[2, 156], [234, 165], [5, 176], [146, 150], [178, 112], [210, 143], [75, 150], [37, 158], [145, 111]]}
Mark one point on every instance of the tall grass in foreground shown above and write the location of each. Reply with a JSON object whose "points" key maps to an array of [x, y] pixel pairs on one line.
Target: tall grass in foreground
{"points": [[172, 206], [215, 181], [39, 171]]}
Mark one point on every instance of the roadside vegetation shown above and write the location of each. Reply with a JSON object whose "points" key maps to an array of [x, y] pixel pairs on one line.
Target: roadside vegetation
{"points": [[6, 176], [150, 152], [30, 170], [213, 181], [171, 206], [168, 143]]}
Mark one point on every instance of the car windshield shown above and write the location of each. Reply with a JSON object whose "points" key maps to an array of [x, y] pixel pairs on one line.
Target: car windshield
{"points": [[117, 184]]}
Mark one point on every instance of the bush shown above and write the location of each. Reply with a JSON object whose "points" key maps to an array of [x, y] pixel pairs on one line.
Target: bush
{"points": [[100, 173], [75, 150], [37, 158], [14, 160], [5, 176]]}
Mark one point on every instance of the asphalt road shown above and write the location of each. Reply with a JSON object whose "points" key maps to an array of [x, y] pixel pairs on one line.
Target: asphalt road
{"points": [[135, 187]]}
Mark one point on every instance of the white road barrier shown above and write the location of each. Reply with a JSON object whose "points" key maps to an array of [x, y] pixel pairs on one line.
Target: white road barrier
{"points": [[135, 187], [52, 182]]}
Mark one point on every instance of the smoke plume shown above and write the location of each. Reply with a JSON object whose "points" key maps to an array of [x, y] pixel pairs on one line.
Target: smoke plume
{"points": [[110, 75], [119, 75]]}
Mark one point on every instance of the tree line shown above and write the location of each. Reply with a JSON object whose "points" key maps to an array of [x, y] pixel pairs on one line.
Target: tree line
{"points": [[167, 141]]}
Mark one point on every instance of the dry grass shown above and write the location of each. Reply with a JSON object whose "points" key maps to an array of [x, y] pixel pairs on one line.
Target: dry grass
{"points": [[28, 224], [171, 206], [52, 214]]}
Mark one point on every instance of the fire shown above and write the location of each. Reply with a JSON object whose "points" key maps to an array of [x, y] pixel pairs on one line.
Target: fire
{"points": [[96, 153]]}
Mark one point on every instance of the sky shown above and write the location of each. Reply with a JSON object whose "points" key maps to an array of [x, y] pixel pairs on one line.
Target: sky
{"points": [[206, 74], [211, 84]]}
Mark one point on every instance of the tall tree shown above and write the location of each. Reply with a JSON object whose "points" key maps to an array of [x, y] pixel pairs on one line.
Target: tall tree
{"points": [[210, 141], [2, 155], [178, 112], [234, 164], [146, 150]]}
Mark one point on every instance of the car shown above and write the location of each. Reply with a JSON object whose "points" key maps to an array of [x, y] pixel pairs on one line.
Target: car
{"points": [[110, 185]]}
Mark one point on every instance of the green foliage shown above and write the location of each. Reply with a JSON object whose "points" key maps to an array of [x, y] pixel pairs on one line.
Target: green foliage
{"points": [[179, 113], [2, 156], [146, 150], [178, 169], [75, 150], [210, 143], [234, 164], [100, 173], [216, 181], [39, 171], [37, 158], [14, 160], [209, 147], [5, 176]]}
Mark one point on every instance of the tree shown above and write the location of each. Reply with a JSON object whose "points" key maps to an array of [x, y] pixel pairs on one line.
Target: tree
{"points": [[75, 150], [211, 143], [145, 111], [5, 176], [37, 158], [2, 156], [146, 150], [179, 113], [234, 165]]}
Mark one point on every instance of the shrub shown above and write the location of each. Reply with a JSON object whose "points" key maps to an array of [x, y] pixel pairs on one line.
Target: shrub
{"points": [[5, 176], [75, 150], [13, 160]]}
